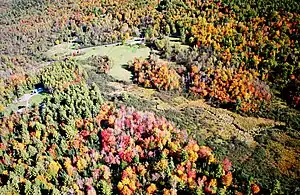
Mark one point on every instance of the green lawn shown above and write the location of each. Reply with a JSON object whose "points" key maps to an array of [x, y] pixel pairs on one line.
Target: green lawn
{"points": [[120, 56], [37, 99]]}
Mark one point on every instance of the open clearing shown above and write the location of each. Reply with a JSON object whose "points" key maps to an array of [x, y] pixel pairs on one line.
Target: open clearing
{"points": [[119, 55]]}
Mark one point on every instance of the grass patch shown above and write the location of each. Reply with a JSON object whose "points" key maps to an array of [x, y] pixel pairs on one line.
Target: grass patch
{"points": [[37, 99]]}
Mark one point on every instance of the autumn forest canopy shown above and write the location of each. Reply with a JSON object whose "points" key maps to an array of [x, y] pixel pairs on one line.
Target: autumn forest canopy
{"points": [[149, 97]]}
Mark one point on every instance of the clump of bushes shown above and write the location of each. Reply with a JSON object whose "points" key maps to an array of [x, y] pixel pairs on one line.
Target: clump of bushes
{"points": [[102, 63], [155, 74], [234, 87]]}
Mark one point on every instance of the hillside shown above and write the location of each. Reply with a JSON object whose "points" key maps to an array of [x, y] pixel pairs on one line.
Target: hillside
{"points": [[149, 97]]}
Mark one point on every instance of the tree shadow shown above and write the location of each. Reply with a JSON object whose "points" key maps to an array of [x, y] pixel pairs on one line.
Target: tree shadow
{"points": [[126, 67]]}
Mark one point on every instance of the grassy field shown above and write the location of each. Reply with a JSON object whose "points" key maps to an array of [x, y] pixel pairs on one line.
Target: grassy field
{"points": [[37, 99], [119, 55]]}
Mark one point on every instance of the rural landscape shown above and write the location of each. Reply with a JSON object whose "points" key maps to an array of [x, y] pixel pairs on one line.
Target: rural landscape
{"points": [[150, 97]]}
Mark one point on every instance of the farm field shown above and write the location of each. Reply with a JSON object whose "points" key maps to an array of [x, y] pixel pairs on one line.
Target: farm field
{"points": [[150, 97]]}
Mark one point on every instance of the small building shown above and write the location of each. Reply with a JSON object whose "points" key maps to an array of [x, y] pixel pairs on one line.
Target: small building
{"points": [[21, 109], [37, 90]]}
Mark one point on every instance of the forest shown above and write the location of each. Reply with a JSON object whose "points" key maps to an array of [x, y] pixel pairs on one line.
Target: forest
{"points": [[214, 108]]}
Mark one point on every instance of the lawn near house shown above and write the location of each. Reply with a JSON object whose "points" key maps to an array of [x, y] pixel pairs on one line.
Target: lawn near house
{"points": [[35, 99]]}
